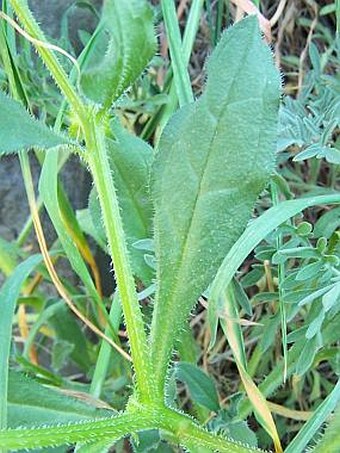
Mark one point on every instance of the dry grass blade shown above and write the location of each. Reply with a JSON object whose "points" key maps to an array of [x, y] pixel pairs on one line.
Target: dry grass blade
{"points": [[248, 7], [234, 336], [39, 43], [58, 284]]}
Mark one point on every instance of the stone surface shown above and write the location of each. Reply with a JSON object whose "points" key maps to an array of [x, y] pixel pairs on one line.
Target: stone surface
{"points": [[51, 15], [77, 181], [13, 202]]}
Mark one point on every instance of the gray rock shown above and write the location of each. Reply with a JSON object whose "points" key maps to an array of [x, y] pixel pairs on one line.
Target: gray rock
{"points": [[13, 202], [52, 14]]}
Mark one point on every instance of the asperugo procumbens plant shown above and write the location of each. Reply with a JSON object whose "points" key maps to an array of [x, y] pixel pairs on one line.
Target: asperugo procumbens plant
{"points": [[213, 160]]}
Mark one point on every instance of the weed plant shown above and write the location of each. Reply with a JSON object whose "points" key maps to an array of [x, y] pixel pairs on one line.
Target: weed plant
{"points": [[178, 220]]}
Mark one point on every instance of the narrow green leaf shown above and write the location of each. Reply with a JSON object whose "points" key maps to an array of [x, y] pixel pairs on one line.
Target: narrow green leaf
{"points": [[319, 417], [48, 187], [8, 297], [306, 358], [178, 63], [331, 438], [125, 46], [208, 175], [200, 386], [19, 130]]}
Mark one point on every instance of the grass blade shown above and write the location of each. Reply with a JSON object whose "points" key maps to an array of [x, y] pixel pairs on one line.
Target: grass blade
{"points": [[232, 330], [179, 65], [319, 417], [48, 186], [8, 296]]}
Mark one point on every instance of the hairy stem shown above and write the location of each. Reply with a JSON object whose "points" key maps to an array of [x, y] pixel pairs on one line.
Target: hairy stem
{"points": [[26, 18], [98, 161], [97, 158], [179, 428]]}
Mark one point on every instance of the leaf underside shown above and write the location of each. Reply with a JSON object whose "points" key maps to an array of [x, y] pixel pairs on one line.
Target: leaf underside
{"points": [[19, 130], [215, 157], [125, 46]]}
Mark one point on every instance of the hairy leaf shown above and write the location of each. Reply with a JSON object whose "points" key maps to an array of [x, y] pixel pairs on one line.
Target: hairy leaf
{"points": [[125, 46], [313, 425], [130, 160], [331, 438], [30, 404], [19, 130], [215, 157]]}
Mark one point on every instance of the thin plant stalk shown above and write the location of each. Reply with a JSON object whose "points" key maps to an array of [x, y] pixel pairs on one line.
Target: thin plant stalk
{"points": [[94, 133]]}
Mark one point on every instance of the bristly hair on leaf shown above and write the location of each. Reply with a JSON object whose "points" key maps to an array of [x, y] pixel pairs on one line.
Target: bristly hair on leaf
{"points": [[20, 131]]}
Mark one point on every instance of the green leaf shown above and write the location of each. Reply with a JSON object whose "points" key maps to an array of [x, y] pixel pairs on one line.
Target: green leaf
{"points": [[200, 386], [68, 330], [95, 447], [311, 427], [215, 157], [331, 438], [9, 254], [331, 298], [8, 295], [306, 358], [86, 223], [309, 271], [252, 236], [125, 46], [234, 429], [19, 130], [327, 223], [31, 404], [59, 214], [130, 160], [60, 353], [315, 326]]}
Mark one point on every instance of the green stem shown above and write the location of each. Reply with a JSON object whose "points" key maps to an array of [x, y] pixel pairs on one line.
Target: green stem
{"points": [[98, 161], [99, 164], [180, 428], [25, 16]]}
